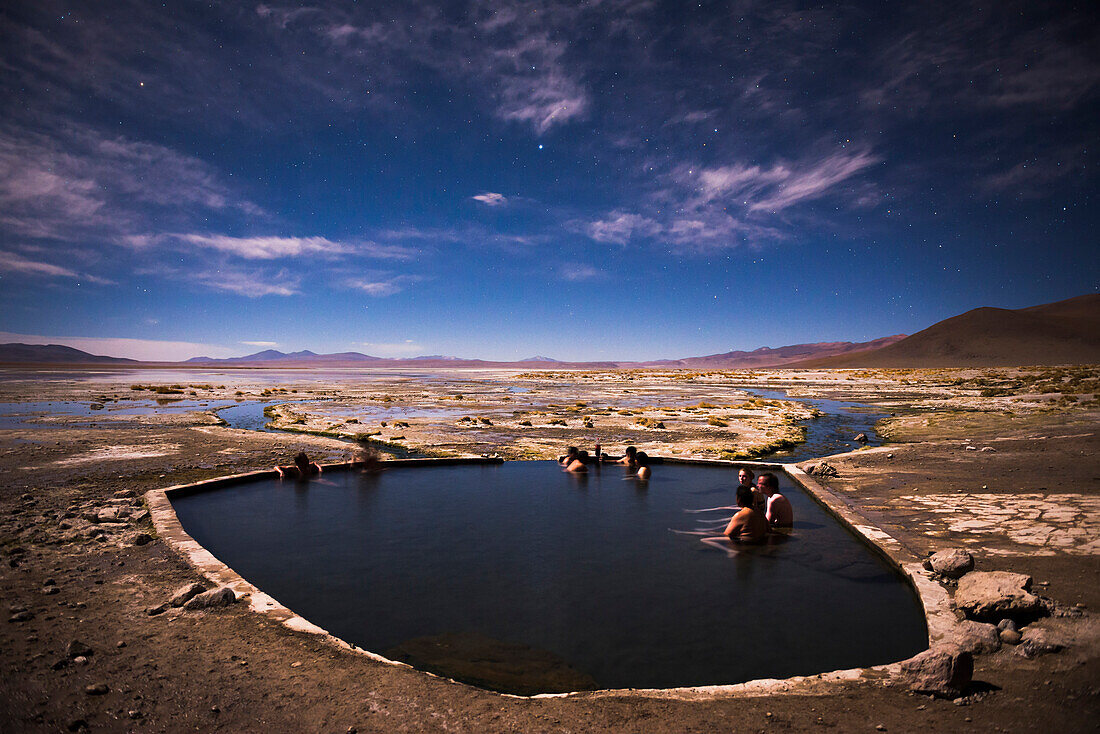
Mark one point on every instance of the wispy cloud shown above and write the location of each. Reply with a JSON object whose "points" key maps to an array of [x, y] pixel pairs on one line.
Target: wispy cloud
{"points": [[577, 272], [619, 227], [11, 262], [382, 286], [267, 248], [491, 199], [261, 344], [253, 284], [393, 349], [144, 349]]}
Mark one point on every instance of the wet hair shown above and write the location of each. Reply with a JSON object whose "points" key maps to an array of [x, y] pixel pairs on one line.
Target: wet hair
{"points": [[631, 451], [302, 459], [571, 451], [744, 496], [641, 457], [769, 480], [747, 471]]}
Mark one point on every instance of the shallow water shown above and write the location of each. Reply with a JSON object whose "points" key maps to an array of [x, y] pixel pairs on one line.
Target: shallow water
{"points": [[608, 574], [30, 415], [830, 433]]}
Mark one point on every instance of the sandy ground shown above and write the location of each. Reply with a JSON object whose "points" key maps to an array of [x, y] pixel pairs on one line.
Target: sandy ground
{"points": [[1027, 504]]}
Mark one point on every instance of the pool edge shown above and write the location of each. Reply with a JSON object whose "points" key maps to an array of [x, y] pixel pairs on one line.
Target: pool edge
{"points": [[940, 618]]}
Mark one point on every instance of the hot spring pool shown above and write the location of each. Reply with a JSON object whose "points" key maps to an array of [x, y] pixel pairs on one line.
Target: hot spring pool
{"points": [[521, 578]]}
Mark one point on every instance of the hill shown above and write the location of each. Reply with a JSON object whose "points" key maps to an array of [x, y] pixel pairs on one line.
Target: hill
{"points": [[53, 353], [771, 357], [1065, 332]]}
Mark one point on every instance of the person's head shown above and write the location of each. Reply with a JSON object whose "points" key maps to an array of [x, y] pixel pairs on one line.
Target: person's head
{"points": [[767, 483], [642, 458], [571, 451], [744, 496], [581, 455], [302, 461], [631, 452], [745, 476]]}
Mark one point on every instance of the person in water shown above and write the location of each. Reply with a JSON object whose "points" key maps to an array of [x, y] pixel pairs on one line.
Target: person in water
{"points": [[629, 457], [778, 511], [577, 465], [643, 472], [746, 479], [302, 467], [748, 525], [570, 456]]}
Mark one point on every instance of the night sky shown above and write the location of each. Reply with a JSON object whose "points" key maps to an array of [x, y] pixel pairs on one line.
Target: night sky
{"points": [[585, 181]]}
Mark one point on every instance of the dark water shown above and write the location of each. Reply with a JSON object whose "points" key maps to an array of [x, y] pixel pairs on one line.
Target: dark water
{"points": [[608, 574], [832, 432]]}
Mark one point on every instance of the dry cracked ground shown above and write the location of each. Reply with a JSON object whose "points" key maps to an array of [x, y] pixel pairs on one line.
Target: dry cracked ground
{"points": [[1000, 462]]}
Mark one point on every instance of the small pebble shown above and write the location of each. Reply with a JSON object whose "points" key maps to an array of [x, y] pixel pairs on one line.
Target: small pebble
{"points": [[298, 665], [97, 689], [134, 714], [880, 727], [80, 660], [120, 643]]}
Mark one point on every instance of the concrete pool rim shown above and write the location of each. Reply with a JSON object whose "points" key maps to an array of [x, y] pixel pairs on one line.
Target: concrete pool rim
{"points": [[940, 618]]}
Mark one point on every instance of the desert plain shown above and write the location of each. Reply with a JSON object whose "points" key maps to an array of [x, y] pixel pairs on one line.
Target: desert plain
{"points": [[1000, 462]]}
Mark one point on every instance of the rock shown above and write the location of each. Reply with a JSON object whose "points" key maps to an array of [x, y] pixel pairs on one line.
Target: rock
{"points": [[971, 448], [952, 563], [1007, 624], [185, 594], [825, 469], [97, 689], [994, 595], [76, 648], [134, 714], [140, 516], [211, 599], [944, 670], [22, 616], [1009, 637], [80, 660], [158, 609], [50, 590], [113, 514], [1035, 642], [143, 539], [988, 449], [861, 438], [977, 638]]}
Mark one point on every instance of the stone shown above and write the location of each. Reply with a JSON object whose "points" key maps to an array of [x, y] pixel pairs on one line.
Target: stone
{"points": [[112, 514], [944, 670], [76, 648], [97, 689], [994, 595], [80, 660], [977, 638], [50, 590], [158, 609], [140, 516], [211, 599], [185, 594], [1007, 624], [1009, 637], [1035, 642], [952, 563], [22, 616], [861, 438]]}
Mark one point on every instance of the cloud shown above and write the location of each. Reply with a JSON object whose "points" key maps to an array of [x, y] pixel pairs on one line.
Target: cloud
{"points": [[393, 349], [491, 199], [261, 344], [73, 182], [576, 272], [143, 349], [11, 262], [619, 227], [251, 284], [382, 286], [267, 248]]}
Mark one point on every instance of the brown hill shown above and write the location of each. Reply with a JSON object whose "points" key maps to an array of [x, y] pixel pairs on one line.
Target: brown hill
{"points": [[769, 356], [1065, 332]]}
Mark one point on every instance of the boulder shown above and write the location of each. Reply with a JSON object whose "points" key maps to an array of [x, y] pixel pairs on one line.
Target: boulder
{"points": [[861, 438], [211, 599], [977, 638], [994, 595], [944, 670], [952, 563], [1009, 637], [76, 648], [185, 594], [1035, 642]]}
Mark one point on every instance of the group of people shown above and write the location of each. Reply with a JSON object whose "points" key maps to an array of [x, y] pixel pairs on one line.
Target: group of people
{"points": [[763, 508], [577, 460]]}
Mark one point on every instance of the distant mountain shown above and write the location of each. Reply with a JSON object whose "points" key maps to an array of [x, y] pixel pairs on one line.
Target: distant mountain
{"points": [[769, 357], [537, 358], [1065, 332], [273, 355], [54, 353], [435, 356]]}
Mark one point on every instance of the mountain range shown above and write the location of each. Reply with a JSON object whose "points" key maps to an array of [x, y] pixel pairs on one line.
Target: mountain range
{"points": [[1065, 332]]}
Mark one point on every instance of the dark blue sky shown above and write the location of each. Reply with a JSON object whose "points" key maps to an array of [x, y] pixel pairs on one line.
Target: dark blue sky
{"points": [[604, 180]]}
